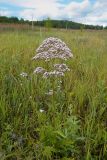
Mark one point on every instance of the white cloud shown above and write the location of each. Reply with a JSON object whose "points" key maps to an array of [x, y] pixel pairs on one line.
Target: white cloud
{"points": [[98, 15], [77, 9], [82, 11], [33, 3], [39, 9], [55, 10]]}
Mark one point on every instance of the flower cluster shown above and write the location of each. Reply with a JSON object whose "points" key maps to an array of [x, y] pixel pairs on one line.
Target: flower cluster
{"points": [[39, 70], [53, 48], [61, 67], [53, 74], [59, 71]]}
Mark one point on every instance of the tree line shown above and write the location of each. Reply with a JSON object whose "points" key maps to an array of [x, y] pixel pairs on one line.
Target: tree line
{"points": [[51, 23]]}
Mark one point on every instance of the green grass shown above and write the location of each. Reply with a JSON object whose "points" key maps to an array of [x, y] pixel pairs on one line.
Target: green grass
{"points": [[73, 125]]}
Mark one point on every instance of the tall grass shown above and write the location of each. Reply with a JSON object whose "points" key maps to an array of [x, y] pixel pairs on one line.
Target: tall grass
{"points": [[73, 124]]}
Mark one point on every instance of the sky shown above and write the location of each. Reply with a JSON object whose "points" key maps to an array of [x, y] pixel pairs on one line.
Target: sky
{"points": [[83, 11]]}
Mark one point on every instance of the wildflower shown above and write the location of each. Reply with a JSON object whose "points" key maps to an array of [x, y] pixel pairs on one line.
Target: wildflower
{"points": [[30, 97], [57, 73], [60, 82], [59, 87], [61, 67], [46, 75], [53, 48], [13, 136], [39, 70], [50, 93], [41, 110], [24, 74], [53, 74], [20, 140]]}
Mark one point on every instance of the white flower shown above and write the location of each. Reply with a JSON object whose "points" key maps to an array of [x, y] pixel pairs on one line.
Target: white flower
{"points": [[61, 67], [21, 84], [30, 97], [53, 48], [24, 74], [57, 73], [50, 93], [46, 75], [41, 110], [39, 70], [53, 74]]}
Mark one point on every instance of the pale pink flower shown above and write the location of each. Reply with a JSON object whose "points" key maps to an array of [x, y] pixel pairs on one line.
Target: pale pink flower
{"points": [[53, 48]]}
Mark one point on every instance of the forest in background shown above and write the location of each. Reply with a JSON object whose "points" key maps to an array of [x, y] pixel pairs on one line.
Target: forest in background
{"points": [[50, 23]]}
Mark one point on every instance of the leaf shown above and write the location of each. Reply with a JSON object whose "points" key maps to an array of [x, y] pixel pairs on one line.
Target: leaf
{"points": [[59, 133], [48, 151]]}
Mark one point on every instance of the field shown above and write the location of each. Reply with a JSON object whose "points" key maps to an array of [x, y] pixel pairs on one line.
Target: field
{"points": [[71, 123]]}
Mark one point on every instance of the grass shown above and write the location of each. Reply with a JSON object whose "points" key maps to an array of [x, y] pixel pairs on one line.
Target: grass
{"points": [[73, 125]]}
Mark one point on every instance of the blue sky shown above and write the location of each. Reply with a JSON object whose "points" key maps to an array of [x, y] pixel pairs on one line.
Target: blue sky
{"points": [[84, 11]]}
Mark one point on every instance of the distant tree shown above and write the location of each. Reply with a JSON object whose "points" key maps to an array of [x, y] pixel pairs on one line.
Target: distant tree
{"points": [[22, 20], [82, 27], [14, 20], [48, 23]]}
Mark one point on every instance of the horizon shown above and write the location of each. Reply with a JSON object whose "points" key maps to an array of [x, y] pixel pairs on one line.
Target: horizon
{"points": [[92, 12]]}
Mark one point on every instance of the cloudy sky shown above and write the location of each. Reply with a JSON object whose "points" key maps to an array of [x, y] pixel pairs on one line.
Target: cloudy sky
{"points": [[85, 11]]}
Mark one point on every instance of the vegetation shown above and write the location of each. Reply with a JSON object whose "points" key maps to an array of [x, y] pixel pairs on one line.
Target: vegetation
{"points": [[48, 24], [51, 23], [69, 125]]}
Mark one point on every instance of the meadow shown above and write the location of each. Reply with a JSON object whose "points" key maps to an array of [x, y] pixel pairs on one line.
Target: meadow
{"points": [[71, 124]]}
